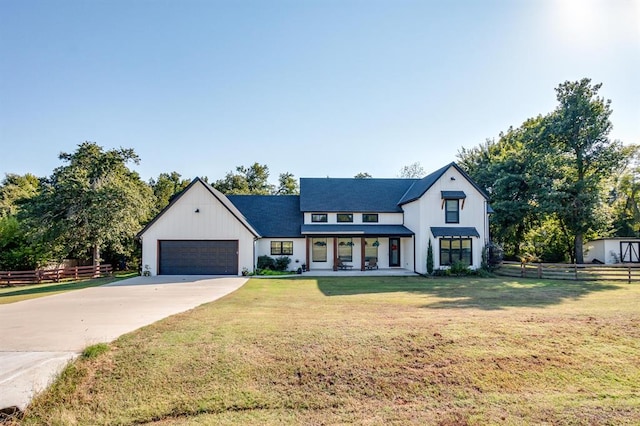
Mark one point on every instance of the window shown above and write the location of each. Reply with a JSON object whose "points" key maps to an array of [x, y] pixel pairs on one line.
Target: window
{"points": [[281, 248], [371, 248], [345, 246], [319, 217], [370, 217], [345, 217], [452, 211], [454, 250], [318, 249]]}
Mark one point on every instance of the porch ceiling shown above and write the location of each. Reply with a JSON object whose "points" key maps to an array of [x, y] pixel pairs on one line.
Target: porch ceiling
{"points": [[359, 230]]}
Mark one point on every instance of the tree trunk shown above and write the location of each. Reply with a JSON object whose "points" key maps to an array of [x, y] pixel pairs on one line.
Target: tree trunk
{"points": [[96, 255], [578, 246]]}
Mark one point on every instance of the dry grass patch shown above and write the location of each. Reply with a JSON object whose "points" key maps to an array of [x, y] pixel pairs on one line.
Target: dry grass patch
{"points": [[371, 351]]}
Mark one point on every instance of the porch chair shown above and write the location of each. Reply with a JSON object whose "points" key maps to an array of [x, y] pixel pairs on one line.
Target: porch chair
{"points": [[372, 264], [341, 265]]}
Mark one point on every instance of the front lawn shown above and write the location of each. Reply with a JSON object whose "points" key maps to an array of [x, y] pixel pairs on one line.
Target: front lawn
{"points": [[378, 350]]}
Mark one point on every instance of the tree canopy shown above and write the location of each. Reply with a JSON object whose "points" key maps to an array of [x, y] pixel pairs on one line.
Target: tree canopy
{"points": [[254, 180], [548, 178], [92, 202]]}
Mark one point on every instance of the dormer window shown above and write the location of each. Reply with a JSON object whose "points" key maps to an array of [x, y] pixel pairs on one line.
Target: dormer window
{"points": [[319, 217], [344, 217], [370, 217]]}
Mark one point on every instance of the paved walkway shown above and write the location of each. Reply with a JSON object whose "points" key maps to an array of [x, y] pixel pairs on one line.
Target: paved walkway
{"points": [[39, 337]]}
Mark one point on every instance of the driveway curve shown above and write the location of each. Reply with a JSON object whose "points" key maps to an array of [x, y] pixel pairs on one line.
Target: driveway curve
{"points": [[40, 336]]}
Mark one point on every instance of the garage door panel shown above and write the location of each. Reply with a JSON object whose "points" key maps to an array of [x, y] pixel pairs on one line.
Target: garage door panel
{"points": [[198, 257]]}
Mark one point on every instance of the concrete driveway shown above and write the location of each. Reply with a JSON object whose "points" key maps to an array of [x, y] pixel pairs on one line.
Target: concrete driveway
{"points": [[39, 337]]}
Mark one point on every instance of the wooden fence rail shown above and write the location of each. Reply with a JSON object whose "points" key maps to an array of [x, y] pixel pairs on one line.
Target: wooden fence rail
{"points": [[563, 271], [53, 275]]}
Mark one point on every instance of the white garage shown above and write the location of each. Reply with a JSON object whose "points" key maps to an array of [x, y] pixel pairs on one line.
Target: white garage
{"points": [[199, 233]]}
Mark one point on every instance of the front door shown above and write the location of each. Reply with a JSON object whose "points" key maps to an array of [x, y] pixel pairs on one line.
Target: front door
{"points": [[394, 251]]}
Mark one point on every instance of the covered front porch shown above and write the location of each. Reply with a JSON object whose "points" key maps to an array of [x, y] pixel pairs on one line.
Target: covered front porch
{"points": [[349, 248]]}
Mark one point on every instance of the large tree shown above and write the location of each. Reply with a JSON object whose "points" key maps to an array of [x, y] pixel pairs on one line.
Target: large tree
{"points": [[255, 180], [14, 189], [165, 187], [549, 175], [583, 155], [91, 203], [246, 180], [287, 185], [504, 168]]}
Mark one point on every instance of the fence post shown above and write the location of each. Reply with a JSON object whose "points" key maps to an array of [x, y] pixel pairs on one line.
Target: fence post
{"points": [[76, 273], [539, 270], [575, 268], [9, 278], [629, 269], [522, 273]]}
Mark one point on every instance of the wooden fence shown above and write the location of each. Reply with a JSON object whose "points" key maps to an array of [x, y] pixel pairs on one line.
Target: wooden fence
{"points": [[53, 275], [563, 271]]}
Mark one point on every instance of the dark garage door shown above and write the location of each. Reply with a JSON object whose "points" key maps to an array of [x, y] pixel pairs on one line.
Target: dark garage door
{"points": [[194, 257]]}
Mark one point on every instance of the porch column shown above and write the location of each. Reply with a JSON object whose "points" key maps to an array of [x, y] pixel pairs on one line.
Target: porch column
{"points": [[335, 254], [307, 243], [362, 243]]}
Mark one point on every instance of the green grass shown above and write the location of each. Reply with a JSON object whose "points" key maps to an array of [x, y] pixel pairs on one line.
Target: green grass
{"points": [[373, 351], [32, 291]]}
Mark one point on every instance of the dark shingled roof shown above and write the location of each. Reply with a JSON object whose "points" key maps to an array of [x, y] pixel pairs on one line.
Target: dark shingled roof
{"points": [[352, 195], [360, 230], [271, 215], [418, 189]]}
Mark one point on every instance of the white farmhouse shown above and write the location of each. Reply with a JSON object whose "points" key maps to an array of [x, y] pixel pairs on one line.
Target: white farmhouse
{"points": [[333, 223]]}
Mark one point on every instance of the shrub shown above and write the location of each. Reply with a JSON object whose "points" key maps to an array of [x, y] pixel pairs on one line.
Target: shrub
{"points": [[430, 258], [282, 263], [266, 262], [459, 268]]}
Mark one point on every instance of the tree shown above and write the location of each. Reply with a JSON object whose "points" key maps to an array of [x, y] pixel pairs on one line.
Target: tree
{"points": [[504, 169], [165, 187], [247, 180], [363, 175], [287, 185], [412, 171], [584, 157], [15, 189], [91, 203]]}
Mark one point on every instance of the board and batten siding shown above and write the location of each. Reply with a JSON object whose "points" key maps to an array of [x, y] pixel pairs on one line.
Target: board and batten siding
{"points": [[420, 215], [213, 221], [263, 248]]}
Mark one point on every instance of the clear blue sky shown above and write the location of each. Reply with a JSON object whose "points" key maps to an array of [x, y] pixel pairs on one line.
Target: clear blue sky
{"points": [[312, 87]]}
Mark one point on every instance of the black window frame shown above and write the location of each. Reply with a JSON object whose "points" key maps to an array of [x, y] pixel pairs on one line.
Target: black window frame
{"points": [[348, 216], [450, 251], [367, 216], [452, 216], [319, 217], [280, 248]]}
